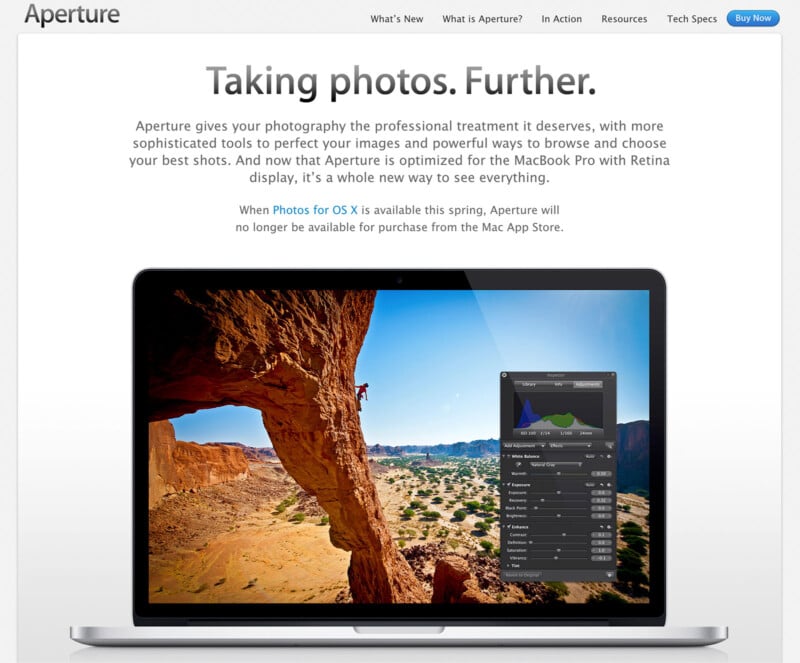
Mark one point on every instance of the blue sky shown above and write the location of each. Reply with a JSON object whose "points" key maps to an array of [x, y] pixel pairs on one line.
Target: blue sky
{"points": [[223, 424], [432, 360]]}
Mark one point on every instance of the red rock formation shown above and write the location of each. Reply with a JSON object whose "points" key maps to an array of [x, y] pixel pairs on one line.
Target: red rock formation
{"points": [[453, 583], [291, 355], [177, 466], [162, 444]]}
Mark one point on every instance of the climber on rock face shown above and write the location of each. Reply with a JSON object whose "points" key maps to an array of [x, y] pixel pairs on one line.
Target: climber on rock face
{"points": [[362, 391]]}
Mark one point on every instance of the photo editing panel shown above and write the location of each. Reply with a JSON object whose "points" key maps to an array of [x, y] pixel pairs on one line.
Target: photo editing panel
{"points": [[558, 470]]}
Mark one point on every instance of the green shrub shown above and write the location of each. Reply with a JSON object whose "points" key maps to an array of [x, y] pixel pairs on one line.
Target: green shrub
{"points": [[631, 527], [606, 598], [636, 543], [559, 588], [630, 559], [488, 546], [289, 501], [635, 578]]}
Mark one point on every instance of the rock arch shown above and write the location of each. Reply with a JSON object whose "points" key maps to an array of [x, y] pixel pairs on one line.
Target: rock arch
{"points": [[291, 355]]}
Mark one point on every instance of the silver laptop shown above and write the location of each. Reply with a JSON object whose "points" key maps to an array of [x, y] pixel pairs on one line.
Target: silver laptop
{"points": [[399, 457]]}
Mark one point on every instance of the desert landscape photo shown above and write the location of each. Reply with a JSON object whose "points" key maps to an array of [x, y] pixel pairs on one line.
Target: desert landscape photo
{"points": [[261, 538], [320, 509]]}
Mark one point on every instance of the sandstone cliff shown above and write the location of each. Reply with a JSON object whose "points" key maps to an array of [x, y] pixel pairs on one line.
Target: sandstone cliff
{"points": [[177, 466], [291, 355]]}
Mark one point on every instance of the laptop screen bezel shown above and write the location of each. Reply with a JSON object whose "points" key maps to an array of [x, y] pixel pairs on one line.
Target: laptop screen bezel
{"points": [[150, 282]]}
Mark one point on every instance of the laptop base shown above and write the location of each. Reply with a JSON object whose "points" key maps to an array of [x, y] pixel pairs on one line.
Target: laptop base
{"points": [[451, 636]]}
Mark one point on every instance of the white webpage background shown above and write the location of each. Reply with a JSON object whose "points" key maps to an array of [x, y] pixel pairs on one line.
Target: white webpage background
{"points": [[88, 224]]}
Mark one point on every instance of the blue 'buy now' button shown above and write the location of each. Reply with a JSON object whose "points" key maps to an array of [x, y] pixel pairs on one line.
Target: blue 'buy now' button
{"points": [[753, 18]]}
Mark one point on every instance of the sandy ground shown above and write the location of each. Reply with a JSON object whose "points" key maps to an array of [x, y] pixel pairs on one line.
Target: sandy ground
{"points": [[266, 560], [260, 557], [462, 537]]}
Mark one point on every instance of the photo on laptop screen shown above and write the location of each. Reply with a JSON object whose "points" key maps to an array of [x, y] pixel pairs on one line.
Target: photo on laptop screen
{"points": [[398, 446]]}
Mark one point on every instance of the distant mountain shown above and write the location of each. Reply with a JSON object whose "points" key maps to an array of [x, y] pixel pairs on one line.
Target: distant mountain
{"points": [[258, 454], [381, 450], [474, 449], [633, 456]]}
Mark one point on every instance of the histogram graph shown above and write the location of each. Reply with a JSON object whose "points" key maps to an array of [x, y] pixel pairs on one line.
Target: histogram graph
{"points": [[558, 410]]}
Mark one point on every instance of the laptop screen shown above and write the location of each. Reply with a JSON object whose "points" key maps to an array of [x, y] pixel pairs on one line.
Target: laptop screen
{"points": [[398, 446]]}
